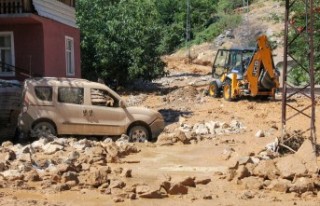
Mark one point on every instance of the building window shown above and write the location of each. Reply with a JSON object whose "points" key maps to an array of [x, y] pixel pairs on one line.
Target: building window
{"points": [[70, 67], [6, 54]]}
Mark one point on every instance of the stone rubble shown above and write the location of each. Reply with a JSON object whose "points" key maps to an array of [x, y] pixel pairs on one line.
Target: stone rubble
{"points": [[61, 164], [288, 173], [188, 134]]}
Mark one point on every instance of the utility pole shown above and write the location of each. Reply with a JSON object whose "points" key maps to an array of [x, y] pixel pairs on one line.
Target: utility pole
{"points": [[188, 29], [306, 33]]}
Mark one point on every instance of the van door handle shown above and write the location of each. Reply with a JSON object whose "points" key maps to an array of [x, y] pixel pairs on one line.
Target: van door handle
{"points": [[85, 112]]}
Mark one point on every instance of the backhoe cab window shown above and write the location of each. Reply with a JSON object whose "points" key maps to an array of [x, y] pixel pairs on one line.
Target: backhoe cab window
{"points": [[221, 59], [235, 59]]}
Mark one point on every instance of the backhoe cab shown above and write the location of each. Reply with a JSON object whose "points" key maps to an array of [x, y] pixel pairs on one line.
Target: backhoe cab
{"points": [[244, 72]]}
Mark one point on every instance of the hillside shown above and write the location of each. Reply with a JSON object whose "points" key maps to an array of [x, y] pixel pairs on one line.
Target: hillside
{"points": [[264, 17]]}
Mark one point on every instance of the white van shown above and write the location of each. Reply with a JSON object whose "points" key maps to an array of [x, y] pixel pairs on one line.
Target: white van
{"points": [[68, 106]]}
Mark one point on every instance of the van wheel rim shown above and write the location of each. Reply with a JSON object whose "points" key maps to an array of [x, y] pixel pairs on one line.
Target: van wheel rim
{"points": [[139, 136], [43, 130]]}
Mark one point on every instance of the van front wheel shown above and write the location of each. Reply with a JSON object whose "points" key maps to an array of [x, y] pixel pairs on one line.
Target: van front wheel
{"points": [[138, 133], [43, 129]]}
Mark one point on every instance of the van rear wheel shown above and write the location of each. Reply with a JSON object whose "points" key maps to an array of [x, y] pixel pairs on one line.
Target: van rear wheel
{"points": [[43, 129], [139, 133]]}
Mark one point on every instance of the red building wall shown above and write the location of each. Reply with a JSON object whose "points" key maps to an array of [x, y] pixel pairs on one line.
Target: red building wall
{"points": [[39, 44], [28, 47], [54, 48]]}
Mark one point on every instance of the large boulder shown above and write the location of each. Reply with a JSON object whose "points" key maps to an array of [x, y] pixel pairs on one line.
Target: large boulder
{"points": [[97, 177], [70, 176], [117, 184], [266, 169], [242, 172], [200, 129], [178, 189], [12, 175], [202, 181], [52, 148], [145, 191], [7, 155], [188, 181], [252, 183], [307, 155], [290, 166], [302, 184], [279, 185]]}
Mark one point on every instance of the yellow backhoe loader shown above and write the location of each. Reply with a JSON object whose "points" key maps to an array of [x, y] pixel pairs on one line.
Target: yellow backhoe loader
{"points": [[244, 72]]}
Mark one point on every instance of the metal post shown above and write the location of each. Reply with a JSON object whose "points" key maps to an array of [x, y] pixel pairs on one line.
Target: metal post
{"points": [[305, 33], [312, 81], [285, 69], [188, 29]]}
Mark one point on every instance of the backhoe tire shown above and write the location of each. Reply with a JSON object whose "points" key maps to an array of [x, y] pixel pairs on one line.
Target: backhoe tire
{"points": [[214, 90], [227, 90], [263, 97]]}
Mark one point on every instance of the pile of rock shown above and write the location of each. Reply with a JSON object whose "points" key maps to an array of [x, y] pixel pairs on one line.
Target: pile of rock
{"points": [[292, 173], [188, 134], [184, 94], [61, 164], [224, 37], [136, 100], [161, 190]]}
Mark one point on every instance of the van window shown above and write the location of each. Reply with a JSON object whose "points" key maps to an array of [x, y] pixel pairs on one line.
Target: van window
{"points": [[102, 98], [73, 95], [43, 93]]}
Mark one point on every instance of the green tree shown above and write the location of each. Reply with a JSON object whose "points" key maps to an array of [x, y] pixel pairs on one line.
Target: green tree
{"points": [[299, 47], [119, 39], [124, 39]]}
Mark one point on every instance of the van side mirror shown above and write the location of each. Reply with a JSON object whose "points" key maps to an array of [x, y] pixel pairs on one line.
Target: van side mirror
{"points": [[122, 104]]}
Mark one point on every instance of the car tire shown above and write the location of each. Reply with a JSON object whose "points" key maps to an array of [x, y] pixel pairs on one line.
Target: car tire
{"points": [[139, 133], [43, 129]]}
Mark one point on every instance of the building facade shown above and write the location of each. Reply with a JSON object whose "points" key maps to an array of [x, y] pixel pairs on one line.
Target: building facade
{"points": [[39, 38]]}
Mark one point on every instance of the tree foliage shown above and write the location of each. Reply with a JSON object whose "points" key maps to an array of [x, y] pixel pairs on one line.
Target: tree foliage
{"points": [[299, 47], [119, 39], [123, 40]]}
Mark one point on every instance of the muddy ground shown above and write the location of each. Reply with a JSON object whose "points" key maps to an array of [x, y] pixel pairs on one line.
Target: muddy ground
{"points": [[212, 152], [202, 158]]}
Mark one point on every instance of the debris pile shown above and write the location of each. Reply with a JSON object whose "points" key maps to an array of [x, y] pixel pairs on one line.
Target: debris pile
{"points": [[291, 142], [188, 134], [136, 100], [291, 173], [184, 94], [61, 164]]}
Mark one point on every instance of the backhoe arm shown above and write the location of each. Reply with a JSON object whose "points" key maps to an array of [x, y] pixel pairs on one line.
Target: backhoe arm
{"points": [[262, 60]]}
